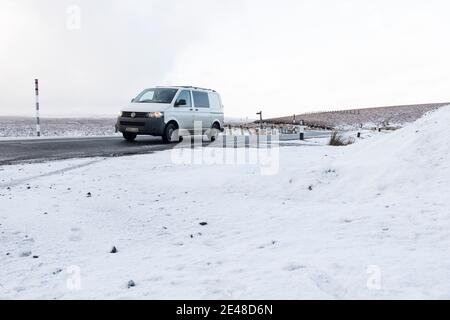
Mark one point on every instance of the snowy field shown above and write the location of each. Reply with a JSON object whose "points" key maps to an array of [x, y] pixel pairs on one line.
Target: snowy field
{"points": [[371, 220], [56, 127]]}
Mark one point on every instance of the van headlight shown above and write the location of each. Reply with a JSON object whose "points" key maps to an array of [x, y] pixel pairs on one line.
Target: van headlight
{"points": [[155, 115]]}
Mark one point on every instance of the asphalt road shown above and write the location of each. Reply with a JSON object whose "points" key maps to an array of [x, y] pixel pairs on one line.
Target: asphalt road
{"points": [[14, 151], [45, 149]]}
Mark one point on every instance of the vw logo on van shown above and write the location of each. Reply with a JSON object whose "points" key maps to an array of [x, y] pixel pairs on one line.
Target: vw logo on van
{"points": [[133, 114]]}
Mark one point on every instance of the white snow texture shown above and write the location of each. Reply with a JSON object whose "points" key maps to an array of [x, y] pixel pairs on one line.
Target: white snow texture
{"points": [[370, 220]]}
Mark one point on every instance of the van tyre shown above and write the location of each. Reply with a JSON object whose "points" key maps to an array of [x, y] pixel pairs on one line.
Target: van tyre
{"points": [[130, 137], [214, 132], [168, 135]]}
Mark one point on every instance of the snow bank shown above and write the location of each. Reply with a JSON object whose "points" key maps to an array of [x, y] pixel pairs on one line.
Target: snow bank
{"points": [[414, 159]]}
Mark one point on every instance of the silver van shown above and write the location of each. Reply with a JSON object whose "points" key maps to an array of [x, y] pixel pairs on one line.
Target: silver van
{"points": [[171, 112]]}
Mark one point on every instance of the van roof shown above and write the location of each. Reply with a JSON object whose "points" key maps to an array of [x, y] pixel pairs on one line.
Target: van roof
{"points": [[187, 87]]}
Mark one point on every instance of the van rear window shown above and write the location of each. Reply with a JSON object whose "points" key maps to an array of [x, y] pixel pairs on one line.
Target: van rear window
{"points": [[201, 99]]}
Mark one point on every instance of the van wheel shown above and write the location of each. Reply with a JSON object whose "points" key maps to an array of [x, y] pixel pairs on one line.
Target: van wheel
{"points": [[168, 135], [214, 132], [130, 137]]}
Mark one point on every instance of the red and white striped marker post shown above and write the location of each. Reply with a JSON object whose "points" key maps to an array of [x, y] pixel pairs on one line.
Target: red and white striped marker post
{"points": [[38, 125]]}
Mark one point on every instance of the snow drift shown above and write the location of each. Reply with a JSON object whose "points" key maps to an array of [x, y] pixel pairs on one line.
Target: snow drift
{"points": [[414, 160]]}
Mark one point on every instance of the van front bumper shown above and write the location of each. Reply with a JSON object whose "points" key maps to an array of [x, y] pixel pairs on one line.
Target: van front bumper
{"points": [[150, 126]]}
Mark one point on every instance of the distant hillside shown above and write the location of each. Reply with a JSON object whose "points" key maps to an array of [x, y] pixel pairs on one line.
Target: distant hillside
{"points": [[368, 118]]}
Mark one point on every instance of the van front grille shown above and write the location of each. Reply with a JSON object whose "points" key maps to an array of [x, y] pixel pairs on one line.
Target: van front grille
{"points": [[132, 124], [127, 114]]}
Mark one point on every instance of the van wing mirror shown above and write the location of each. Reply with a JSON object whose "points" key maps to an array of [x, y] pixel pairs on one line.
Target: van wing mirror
{"points": [[133, 100], [181, 102]]}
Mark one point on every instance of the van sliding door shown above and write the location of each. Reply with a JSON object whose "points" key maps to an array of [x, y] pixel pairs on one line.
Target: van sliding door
{"points": [[202, 109]]}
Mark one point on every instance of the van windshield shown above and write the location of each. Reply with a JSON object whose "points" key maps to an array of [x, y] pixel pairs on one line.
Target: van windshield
{"points": [[158, 95]]}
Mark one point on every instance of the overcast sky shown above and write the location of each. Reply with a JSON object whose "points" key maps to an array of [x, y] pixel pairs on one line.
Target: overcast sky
{"points": [[282, 56]]}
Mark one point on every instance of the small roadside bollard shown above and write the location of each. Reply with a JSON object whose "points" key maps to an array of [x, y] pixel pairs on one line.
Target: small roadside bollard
{"points": [[302, 133]]}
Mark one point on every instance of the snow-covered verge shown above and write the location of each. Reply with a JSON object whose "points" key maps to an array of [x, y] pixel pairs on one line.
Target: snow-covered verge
{"points": [[371, 220]]}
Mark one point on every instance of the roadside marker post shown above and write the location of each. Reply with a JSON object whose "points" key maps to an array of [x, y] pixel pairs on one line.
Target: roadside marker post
{"points": [[260, 119], [38, 124]]}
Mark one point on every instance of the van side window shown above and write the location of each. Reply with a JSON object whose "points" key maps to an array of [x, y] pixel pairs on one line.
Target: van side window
{"points": [[214, 101], [186, 96], [201, 99]]}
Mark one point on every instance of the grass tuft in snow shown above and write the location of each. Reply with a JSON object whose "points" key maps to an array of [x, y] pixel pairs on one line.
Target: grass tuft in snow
{"points": [[338, 140]]}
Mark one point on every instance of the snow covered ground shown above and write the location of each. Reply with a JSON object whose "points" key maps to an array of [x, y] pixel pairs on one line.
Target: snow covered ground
{"points": [[56, 127], [370, 220]]}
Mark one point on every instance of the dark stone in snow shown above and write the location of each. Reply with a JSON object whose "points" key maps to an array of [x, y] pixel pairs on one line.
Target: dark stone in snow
{"points": [[114, 250], [310, 188], [57, 271], [203, 223], [35, 257], [131, 284], [89, 195], [25, 254]]}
